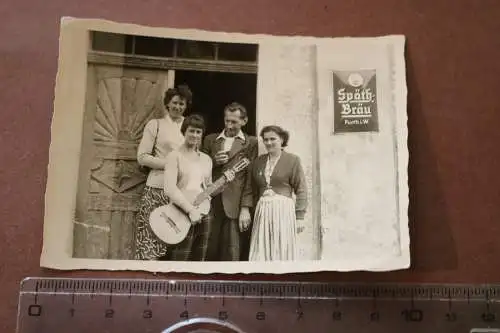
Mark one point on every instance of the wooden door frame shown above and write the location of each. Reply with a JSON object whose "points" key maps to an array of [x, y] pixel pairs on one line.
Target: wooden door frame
{"points": [[171, 64], [90, 151], [168, 63], [107, 59]]}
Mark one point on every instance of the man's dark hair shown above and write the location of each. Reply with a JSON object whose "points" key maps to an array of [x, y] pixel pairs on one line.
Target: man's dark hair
{"points": [[235, 106]]}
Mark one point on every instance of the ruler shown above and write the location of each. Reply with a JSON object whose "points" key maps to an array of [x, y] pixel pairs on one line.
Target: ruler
{"points": [[150, 305]]}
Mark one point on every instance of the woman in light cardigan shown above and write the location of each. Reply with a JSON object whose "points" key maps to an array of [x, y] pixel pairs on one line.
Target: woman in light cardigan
{"points": [[160, 137], [274, 179]]}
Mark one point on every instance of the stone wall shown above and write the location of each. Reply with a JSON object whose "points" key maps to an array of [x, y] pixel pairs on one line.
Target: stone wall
{"points": [[287, 97], [354, 213], [359, 185]]}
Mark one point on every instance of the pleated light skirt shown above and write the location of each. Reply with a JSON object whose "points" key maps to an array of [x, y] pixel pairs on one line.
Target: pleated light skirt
{"points": [[274, 230]]}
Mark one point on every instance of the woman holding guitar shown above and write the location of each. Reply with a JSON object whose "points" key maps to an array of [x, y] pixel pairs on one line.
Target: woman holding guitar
{"points": [[187, 173]]}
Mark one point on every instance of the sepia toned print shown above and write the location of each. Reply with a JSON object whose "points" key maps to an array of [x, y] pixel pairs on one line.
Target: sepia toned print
{"points": [[196, 151]]}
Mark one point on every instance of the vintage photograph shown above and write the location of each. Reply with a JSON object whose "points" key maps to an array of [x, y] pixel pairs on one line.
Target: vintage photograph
{"points": [[169, 120], [196, 151]]}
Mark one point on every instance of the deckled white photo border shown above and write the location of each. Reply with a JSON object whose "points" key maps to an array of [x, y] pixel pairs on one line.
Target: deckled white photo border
{"points": [[65, 146]]}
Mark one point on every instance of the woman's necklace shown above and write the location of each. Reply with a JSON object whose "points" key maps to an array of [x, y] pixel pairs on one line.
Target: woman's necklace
{"points": [[270, 165], [273, 161]]}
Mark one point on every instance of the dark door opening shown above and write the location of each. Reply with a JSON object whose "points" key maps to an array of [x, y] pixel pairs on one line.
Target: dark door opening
{"points": [[212, 91]]}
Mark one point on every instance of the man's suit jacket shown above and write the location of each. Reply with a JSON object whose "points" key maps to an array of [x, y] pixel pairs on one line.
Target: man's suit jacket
{"points": [[232, 193]]}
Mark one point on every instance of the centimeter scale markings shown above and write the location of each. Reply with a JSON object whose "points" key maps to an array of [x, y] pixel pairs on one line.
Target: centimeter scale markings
{"points": [[133, 305]]}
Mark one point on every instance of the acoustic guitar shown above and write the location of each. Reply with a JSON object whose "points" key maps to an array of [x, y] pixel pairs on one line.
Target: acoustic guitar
{"points": [[171, 224]]}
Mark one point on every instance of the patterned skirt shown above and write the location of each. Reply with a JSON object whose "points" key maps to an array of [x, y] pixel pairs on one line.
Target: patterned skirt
{"points": [[147, 245], [274, 230]]}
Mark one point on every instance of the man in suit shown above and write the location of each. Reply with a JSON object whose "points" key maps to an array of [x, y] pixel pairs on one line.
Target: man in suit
{"points": [[230, 239]]}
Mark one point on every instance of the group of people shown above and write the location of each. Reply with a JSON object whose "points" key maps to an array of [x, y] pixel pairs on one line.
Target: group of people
{"points": [[255, 216]]}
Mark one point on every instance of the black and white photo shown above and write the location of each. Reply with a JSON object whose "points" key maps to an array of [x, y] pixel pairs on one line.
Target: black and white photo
{"points": [[196, 151]]}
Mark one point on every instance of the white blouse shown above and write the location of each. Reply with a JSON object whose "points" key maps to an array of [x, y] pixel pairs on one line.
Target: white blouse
{"points": [[268, 171]]}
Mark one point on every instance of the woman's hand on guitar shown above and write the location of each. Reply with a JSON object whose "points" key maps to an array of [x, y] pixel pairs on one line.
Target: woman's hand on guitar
{"points": [[229, 174], [195, 216]]}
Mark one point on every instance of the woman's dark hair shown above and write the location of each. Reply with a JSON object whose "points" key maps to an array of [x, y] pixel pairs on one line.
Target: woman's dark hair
{"points": [[282, 133], [195, 121], [182, 91]]}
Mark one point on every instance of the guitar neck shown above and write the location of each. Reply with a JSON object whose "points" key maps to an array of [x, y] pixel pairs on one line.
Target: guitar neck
{"points": [[215, 186]]}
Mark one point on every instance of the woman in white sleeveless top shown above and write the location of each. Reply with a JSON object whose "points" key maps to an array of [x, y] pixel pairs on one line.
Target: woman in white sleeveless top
{"points": [[160, 137]]}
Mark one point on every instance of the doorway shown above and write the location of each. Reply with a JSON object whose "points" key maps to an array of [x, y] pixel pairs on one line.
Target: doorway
{"points": [[212, 91]]}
